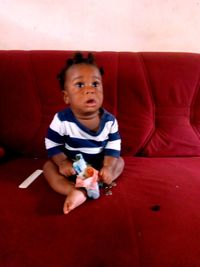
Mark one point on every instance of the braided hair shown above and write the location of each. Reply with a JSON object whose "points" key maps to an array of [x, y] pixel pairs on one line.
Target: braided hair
{"points": [[78, 58]]}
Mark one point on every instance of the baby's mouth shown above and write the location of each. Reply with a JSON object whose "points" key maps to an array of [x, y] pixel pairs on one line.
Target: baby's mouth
{"points": [[91, 102]]}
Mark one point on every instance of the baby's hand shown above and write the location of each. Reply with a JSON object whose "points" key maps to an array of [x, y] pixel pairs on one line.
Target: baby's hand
{"points": [[79, 182], [66, 168], [106, 175]]}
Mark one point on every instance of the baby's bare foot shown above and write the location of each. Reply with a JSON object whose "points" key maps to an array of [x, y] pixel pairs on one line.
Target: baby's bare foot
{"points": [[75, 198]]}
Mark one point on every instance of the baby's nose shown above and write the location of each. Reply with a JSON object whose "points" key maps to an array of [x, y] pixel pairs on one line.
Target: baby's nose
{"points": [[89, 90]]}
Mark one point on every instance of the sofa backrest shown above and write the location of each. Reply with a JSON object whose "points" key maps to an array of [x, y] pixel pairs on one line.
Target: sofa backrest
{"points": [[160, 103], [155, 97]]}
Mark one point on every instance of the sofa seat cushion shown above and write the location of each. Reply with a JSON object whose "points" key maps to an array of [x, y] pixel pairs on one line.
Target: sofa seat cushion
{"points": [[165, 195], [36, 232], [151, 219]]}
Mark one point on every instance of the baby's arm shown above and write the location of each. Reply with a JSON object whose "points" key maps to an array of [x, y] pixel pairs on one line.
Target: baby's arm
{"points": [[65, 166]]}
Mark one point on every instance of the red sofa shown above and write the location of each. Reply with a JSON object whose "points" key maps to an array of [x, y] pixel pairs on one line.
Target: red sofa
{"points": [[152, 219]]}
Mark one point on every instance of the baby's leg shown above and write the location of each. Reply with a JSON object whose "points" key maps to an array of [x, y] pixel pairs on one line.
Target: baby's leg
{"points": [[74, 199], [62, 185]]}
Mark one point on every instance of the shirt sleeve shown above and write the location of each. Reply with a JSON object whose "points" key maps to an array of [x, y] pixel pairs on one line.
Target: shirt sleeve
{"points": [[54, 141], [113, 146]]}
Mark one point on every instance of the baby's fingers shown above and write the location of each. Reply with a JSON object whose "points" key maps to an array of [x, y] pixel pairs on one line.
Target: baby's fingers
{"points": [[68, 172]]}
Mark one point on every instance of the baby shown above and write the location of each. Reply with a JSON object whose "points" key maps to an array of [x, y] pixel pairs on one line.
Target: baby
{"points": [[84, 127]]}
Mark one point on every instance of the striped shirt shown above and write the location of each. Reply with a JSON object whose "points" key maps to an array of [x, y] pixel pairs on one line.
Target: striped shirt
{"points": [[66, 134]]}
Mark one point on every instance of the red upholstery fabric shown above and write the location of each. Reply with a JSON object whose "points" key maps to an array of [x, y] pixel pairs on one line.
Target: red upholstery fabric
{"points": [[152, 218], [2, 152], [135, 105], [154, 95], [31, 95], [174, 90], [119, 230], [20, 109], [36, 233], [159, 103]]}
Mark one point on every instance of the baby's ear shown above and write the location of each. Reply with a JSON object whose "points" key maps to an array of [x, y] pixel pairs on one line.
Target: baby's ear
{"points": [[65, 97]]}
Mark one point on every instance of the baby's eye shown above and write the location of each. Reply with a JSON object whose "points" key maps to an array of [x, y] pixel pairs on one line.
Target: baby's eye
{"points": [[79, 85], [96, 84]]}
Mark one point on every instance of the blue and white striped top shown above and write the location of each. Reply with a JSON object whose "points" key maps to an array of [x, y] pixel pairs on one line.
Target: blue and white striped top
{"points": [[66, 134]]}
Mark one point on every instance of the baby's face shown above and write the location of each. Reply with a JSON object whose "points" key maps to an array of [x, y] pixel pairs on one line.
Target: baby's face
{"points": [[83, 89]]}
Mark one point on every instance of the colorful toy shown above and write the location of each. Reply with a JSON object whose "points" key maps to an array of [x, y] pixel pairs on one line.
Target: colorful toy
{"points": [[87, 177]]}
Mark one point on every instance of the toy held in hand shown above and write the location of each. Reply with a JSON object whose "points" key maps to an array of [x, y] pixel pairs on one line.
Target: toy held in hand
{"points": [[87, 177]]}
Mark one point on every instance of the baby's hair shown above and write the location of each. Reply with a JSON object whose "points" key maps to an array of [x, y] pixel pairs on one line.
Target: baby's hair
{"points": [[78, 58]]}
